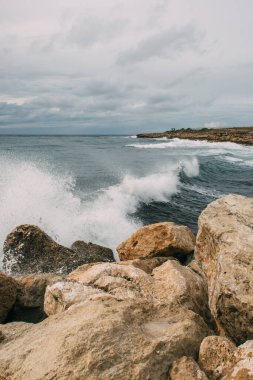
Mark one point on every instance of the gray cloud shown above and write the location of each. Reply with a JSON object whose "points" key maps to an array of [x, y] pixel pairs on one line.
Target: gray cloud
{"points": [[123, 67], [164, 44]]}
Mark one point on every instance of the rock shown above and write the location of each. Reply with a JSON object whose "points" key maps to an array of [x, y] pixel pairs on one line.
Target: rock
{"points": [[171, 284], [224, 250], [160, 239], [146, 264], [13, 330], [241, 367], [29, 305], [92, 281], [176, 284], [104, 339], [92, 252], [27, 250], [186, 368], [8, 292], [2, 336], [215, 354]]}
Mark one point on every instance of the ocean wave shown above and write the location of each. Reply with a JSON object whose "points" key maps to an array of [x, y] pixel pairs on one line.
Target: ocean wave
{"points": [[184, 143], [33, 194]]}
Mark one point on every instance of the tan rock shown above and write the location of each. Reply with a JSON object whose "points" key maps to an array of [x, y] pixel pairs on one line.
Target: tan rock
{"points": [[215, 354], [104, 339], [186, 368], [29, 305], [176, 284], [13, 330], [224, 250], [8, 292], [241, 367], [171, 284], [146, 264], [160, 239], [101, 280]]}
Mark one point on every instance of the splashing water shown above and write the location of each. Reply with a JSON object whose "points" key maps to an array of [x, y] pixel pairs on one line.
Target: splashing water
{"points": [[33, 194]]}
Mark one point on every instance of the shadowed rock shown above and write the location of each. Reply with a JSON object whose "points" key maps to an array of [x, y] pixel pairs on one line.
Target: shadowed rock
{"points": [[28, 249], [93, 252], [8, 292]]}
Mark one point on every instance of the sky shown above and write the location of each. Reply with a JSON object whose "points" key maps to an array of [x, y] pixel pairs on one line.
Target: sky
{"points": [[125, 66]]}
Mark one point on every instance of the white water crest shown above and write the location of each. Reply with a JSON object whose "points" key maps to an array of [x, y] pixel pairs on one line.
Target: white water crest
{"points": [[184, 143], [33, 194]]}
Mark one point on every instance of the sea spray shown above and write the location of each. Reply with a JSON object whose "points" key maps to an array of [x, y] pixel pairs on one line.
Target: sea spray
{"points": [[33, 194]]}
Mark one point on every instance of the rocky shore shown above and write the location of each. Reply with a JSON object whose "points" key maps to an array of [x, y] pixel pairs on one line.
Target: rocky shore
{"points": [[242, 135], [174, 307]]}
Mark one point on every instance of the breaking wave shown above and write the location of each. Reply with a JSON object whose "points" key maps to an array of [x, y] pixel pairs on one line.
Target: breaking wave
{"points": [[33, 194], [184, 143]]}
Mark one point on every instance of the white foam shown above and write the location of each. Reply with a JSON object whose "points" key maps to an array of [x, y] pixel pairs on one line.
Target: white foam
{"points": [[32, 194], [184, 143]]}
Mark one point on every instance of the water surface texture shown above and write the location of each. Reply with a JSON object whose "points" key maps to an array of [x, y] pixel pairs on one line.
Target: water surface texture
{"points": [[102, 188]]}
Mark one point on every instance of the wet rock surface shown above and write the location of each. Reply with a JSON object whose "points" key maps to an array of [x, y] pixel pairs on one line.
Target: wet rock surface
{"points": [[93, 252], [28, 249]]}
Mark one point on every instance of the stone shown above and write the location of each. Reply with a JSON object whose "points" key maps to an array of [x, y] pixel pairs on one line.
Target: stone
{"points": [[170, 283], [28, 250], [186, 368], [241, 367], [146, 264], [29, 305], [160, 239], [104, 339], [13, 330], [215, 354], [224, 250], [180, 285], [105, 280], [93, 252], [8, 292]]}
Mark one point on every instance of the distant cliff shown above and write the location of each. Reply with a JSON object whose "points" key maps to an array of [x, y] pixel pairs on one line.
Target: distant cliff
{"points": [[243, 135]]}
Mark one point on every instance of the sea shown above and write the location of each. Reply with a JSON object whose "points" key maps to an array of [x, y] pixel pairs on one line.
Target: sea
{"points": [[103, 188]]}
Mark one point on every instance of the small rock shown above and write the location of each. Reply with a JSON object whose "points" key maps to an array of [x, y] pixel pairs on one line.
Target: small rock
{"points": [[93, 252], [160, 239], [241, 366], [215, 354], [146, 264], [8, 292], [186, 369], [29, 305]]}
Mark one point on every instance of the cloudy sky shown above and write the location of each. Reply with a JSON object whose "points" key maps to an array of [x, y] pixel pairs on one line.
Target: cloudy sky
{"points": [[124, 66]]}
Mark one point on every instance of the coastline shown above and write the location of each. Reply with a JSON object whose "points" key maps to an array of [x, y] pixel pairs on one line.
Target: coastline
{"points": [[243, 135]]}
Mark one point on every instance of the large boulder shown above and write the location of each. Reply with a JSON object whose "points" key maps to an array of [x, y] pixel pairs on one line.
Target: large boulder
{"points": [[170, 284], [28, 249], [160, 239], [8, 292], [241, 365], [104, 339], [215, 354], [224, 249], [92, 252], [29, 304], [186, 368]]}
